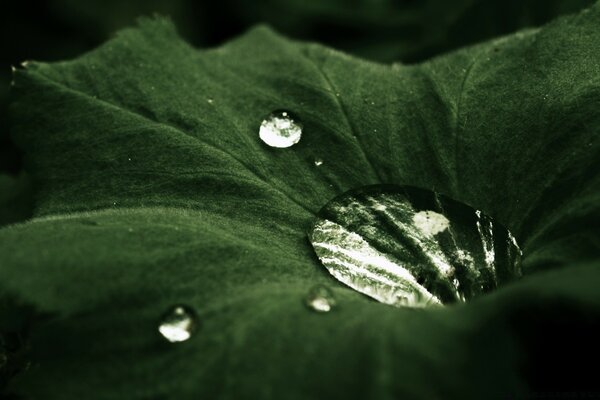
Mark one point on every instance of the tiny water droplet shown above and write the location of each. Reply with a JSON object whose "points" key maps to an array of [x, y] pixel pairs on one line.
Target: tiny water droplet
{"points": [[318, 162], [128, 159], [411, 247], [210, 101], [280, 129], [320, 299], [178, 324]]}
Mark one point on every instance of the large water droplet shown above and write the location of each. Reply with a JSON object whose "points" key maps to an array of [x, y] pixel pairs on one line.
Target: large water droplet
{"points": [[280, 129], [412, 247], [178, 324], [320, 299]]}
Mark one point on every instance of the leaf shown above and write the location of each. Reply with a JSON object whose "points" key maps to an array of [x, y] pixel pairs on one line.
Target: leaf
{"points": [[383, 30], [149, 194]]}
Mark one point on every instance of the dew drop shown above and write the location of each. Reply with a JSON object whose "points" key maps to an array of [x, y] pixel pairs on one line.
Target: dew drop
{"points": [[318, 162], [320, 299], [209, 101], [178, 324], [280, 129], [411, 247]]}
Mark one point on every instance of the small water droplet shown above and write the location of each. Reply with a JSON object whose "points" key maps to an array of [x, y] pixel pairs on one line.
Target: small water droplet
{"points": [[129, 159], [412, 247], [280, 129], [210, 101], [178, 324], [320, 299], [318, 162]]}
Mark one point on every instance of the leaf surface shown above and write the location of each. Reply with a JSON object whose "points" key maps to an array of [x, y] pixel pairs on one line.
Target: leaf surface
{"points": [[154, 189]]}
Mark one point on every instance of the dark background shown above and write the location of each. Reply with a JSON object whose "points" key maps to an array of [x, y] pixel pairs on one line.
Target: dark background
{"points": [[383, 30]]}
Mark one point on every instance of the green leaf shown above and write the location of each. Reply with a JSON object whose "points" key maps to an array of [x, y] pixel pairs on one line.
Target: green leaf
{"points": [[149, 195]]}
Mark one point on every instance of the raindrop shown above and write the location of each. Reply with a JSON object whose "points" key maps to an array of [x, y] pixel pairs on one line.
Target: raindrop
{"points": [[320, 299], [178, 324], [412, 247], [318, 162], [280, 129]]}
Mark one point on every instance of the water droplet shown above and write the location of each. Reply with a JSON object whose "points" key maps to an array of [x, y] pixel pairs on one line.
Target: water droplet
{"points": [[210, 101], [412, 247], [178, 324], [320, 299], [318, 162], [280, 129]]}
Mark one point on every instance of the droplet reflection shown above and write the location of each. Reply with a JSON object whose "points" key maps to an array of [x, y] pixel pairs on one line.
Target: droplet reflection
{"points": [[320, 299], [178, 324], [406, 246], [280, 129]]}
